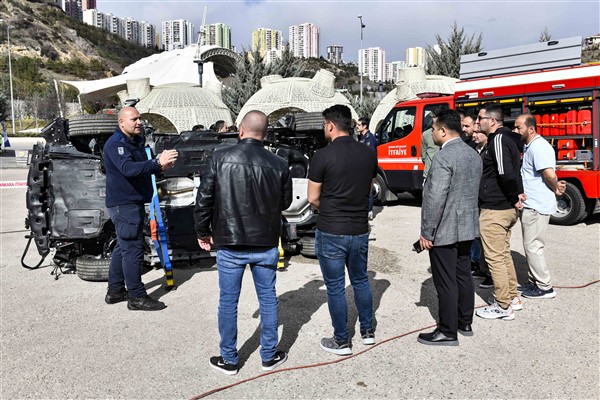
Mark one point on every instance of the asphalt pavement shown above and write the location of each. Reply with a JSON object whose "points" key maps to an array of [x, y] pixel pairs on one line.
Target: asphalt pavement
{"points": [[60, 340]]}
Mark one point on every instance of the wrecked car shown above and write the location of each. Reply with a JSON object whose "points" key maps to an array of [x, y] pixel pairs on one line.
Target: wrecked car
{"points": [[66, 190]]}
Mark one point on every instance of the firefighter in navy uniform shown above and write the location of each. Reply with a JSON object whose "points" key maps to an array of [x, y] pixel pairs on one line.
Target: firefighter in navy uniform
{"points": [[128, 187]]}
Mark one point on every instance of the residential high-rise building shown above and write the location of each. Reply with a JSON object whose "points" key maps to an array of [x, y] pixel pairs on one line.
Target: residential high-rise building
{"points": [[88, 5], [335, 54], [73, 8], [115, 25], [392, 69], [147, 34], [267, 40], [415, 57], [132, 30], [140, 33], [371, 63], [177, 34], [304, 40], [217, 35]]}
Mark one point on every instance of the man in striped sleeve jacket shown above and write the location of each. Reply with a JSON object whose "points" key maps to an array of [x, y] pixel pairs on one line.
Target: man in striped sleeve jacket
{"points": [[499, 203]]}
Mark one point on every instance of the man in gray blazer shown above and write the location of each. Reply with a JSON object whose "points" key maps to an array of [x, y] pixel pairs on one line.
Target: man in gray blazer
{"points": [[449, 223]]}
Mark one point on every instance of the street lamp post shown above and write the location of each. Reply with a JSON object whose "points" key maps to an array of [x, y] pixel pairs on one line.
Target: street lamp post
{"points": [[360, 58], [12, 102]]}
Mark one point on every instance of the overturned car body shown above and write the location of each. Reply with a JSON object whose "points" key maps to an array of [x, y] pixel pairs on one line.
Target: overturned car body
{"points": [[66, 190]]}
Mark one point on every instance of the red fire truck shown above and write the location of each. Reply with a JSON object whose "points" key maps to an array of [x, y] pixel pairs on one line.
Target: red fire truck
{"points": [[564, 98]]}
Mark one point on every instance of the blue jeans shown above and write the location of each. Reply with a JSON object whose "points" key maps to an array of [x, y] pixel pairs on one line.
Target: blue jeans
{"points": [[231, 265], [475, 253], [127, 256], [334, 253]]}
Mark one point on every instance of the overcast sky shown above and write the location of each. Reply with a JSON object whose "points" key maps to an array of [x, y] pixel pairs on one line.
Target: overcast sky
{"points": [[392, 25]]}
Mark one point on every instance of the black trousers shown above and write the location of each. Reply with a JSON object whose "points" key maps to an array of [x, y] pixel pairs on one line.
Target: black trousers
{"points": [[452, 278]]}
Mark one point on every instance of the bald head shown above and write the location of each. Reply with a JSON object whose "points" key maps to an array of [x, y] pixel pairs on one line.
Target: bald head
{"points": [[130, 122], [254, 124]]}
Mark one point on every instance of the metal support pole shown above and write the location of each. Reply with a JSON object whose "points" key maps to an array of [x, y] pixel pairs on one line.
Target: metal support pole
{"points": [[360, 58], [12, 101]]}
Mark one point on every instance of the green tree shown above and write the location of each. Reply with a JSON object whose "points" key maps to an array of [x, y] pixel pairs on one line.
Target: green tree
{"points": [[545, 35], [368, 106], [287, 65], [245, 82], [445, 59], [3, 106]]}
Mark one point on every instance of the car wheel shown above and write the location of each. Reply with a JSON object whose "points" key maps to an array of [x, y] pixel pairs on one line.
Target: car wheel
{"points": [[92, 125], [307, 246], [92, 268], [571, 207], [380, 191], [309, 121]]}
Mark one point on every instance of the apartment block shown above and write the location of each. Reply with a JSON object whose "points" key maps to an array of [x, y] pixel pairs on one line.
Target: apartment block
{"points": [[267, 41], [147, 34], [392, 69], [218, 35], [415, 57], [141, 33], [371, 63], [304, 40], [177, 34], [335, 54]]}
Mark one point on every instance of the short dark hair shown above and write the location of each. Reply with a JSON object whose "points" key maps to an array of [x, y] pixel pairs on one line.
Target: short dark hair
{"points": [[493, 110], [218, 125], [340, 115], [364, 121], [530, 121], [198, 127], [461, 112], [449, 119]]}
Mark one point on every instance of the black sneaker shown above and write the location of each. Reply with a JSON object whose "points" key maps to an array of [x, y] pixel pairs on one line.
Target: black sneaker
{"points": [[113, 297], [145, 303], [223, 366], [368, 336], [487, 283], [333, 346], [526, 287], [280, 358], [479, 273]]}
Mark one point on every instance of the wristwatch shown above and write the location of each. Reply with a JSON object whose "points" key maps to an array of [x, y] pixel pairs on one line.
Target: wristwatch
{"points": [[158, 162]]}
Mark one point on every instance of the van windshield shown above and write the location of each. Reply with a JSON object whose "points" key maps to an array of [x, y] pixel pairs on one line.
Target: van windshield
{"points": [[399, 123]]}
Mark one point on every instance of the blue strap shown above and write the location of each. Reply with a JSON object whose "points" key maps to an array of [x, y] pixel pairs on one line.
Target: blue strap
{"points": [[158, 231]]}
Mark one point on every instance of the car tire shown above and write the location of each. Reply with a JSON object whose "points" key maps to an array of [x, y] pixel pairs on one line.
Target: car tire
{"points": [[92, 125], [571, 207], [309, 121], [307, 247], [380, 191], [92, 268]]}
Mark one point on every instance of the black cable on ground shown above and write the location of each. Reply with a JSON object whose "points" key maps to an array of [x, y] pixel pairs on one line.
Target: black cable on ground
{"points": [[278, 371]]}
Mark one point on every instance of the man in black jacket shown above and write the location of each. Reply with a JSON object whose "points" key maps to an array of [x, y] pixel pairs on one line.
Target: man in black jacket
{"points": [[238, 210], [499, 202]]}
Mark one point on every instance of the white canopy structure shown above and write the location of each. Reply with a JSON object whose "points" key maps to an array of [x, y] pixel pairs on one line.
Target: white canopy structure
{"points": [[411, 82], [183, 104], [175, 66], [281, 95]]}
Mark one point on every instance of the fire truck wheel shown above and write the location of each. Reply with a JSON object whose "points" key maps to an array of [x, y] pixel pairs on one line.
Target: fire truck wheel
{"points": [[380, 191], [570, 207], [91, 268]]}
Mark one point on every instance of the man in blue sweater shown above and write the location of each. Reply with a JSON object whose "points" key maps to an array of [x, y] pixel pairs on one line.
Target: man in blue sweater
{"points": [[128, 187]]}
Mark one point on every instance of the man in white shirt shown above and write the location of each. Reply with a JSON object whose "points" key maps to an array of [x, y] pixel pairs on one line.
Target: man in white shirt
{"points": [[541, 186]]}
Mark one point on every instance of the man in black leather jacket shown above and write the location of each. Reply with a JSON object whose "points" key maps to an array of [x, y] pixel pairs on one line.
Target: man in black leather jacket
{"points": [[238, 210]]}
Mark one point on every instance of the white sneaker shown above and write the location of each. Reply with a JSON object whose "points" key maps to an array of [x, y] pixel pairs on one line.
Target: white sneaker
{"points": [[516, 303], [494, 311]]}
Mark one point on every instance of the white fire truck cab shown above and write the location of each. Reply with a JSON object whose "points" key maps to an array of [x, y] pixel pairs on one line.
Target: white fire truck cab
{"points": [[545, 79]]}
